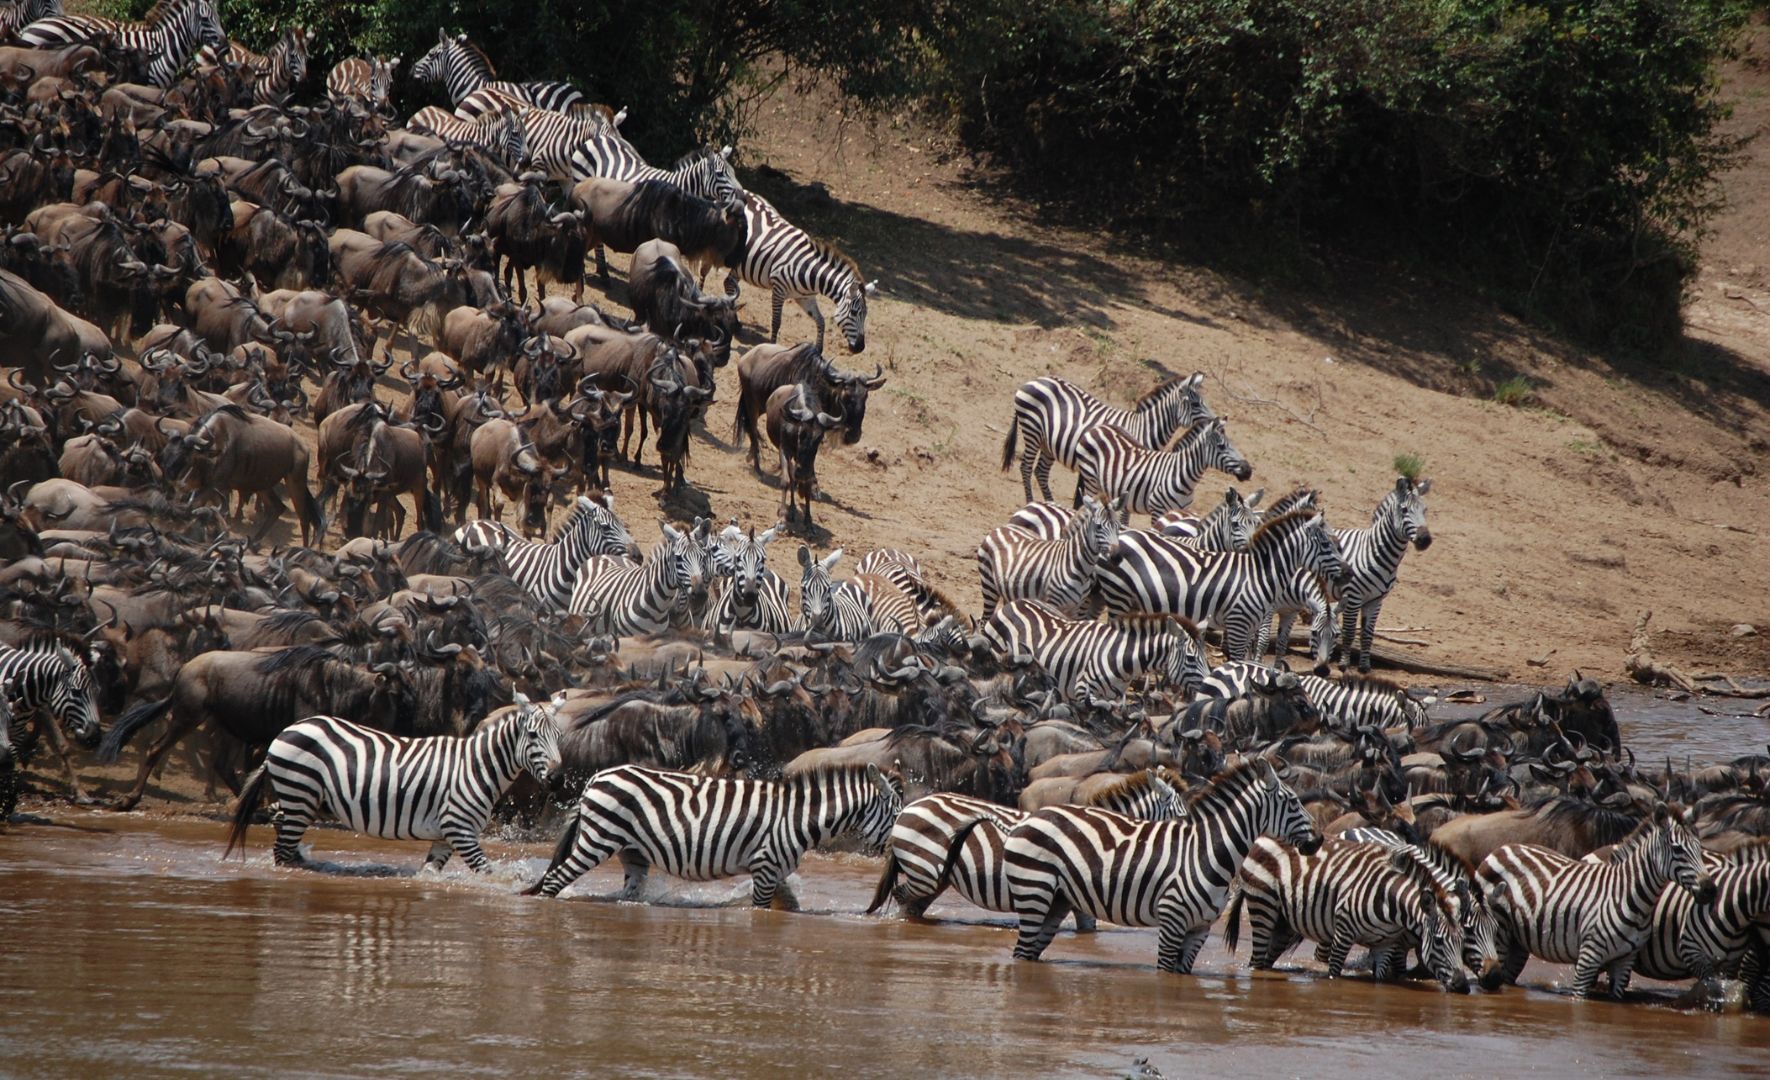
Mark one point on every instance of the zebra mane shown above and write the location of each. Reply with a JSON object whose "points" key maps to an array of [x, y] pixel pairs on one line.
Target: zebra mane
{"points": [[1230, 782], [475, 54], [840, 770], [1135, 784], [1285, 503], [1636, 839], [1132, 619], [1156, 392], [1188, 436], [939, 599], [1281, 523], [1433, 848], [835, 254], [698, 154], [165, 10]]}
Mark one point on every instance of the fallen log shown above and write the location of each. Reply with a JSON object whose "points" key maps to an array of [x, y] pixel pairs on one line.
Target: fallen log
{"points": [[1644, 667]]}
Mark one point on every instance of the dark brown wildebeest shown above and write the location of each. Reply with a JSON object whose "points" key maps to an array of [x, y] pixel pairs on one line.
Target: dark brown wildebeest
{"points": [[1574, 827], [34, 176], [622, 360], [544, 368], [35, 333], [667, 301], [411, 191], [279, 252], [232, 451], [22, 65], [674, 402], [320, 314], [559, 316], [623, 216], [397, 283], [267, 182], [380, 460], [224, 317], [597, 416], [94, 246], [766, 368], [255, 695], [527, 233], [505, 460], [485, 340], [395, 228], [797, 427], [347, 383]]}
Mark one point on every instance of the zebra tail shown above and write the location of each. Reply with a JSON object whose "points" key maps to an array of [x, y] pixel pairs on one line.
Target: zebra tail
{"points": [[251, 794], [1010, 443], [136, 717], [887, 882], [560, 851], [952, 855], [1232, 929]]}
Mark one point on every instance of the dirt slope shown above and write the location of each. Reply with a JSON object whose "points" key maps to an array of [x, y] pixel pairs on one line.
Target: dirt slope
{"points": [[1617, 489]]}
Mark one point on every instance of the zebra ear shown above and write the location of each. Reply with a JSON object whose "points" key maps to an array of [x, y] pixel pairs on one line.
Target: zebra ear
{"points": [[804, 556], [669, 532], [1423, 486], [1402, 483], [830, 560], [1197, 380], [519, 699]]}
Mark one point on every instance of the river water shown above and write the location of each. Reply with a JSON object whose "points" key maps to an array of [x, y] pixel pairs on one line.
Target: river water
{"points": [[127, 946]]}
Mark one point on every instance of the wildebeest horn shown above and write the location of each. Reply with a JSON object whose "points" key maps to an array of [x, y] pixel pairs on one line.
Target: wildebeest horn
{"points": [[878, 378]]}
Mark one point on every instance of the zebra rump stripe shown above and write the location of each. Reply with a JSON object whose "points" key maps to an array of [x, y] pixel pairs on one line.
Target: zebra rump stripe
{"points": [[1088, 659], [362, 79], [1171, 875], [548, 571], [1051, 414], [1593, 915], [793, 265], [699, 828], [440, 789], [926, 828], [167, 39]]}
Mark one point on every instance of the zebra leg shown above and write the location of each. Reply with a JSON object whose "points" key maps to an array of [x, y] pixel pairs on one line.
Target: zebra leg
{"points": [[1177, 947], [463, 840], [439, 855], [1585, 970], [587, 851], [1344, 648], [1043, 470], [809, 303], [1085, 923], [1621, 970], [291, 824], [766, 878], [59, 743], [1337, 950], [636, 869], [774, 328], [1367, 630], [1036, 930]]}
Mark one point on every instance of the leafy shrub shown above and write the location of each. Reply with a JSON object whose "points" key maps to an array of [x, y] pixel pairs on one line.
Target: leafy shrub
{"points": [[1410, 465], [1514, 391]]}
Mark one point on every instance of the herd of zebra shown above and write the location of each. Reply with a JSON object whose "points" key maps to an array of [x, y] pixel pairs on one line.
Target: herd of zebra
{"points": [[1072, 748]]}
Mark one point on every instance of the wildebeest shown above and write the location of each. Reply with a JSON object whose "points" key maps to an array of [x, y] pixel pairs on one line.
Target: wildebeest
{"points": [[35, 333], [506, 461], [254, 695], [232, 451], [411, 191], [667, 301], [396, 282], [623, 216], [527, 233], [485, 339], [797, 428], [279, 252], [766, 368]]}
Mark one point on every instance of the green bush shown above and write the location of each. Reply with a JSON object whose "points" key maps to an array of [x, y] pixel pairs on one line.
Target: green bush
{"points": [[1410, 465], [1515, 391]]}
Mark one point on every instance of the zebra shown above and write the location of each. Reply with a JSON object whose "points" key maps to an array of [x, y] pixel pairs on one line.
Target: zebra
{"points": [[1688, 940], [1225, 527], [1174, 875], [1346, 895], [45, 676], [924, 832], [1234, 590], [548, 571], [13, 732], [851, 610], [902, 570], [501, 133], [704, 173], [1457, 881], [754, 597], [440, 788], [1302, 593], [15, 15], [1593, 915], [462, 67], [1345, 704], [793, 265], [1013, 564], [549, 138], [166, 39], [1090, 660], [1373, 557], [700, 828], [1052, 413], [275, 75], [1109, 463], [621, 599], [365, 80]]}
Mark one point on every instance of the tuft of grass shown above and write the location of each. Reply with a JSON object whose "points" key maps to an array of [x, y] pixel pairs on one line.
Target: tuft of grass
{"points": [[1410, 465], [1583, 446], [1515, 391]]}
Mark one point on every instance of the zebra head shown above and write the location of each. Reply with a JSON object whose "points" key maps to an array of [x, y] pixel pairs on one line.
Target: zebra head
{"points": [[1480, 928], [879, 813], [540, 740], [71, 699], [1240, 518], [1187, 666], [1405, 510], [1677, 855], [750, 568], [1223, 454], [205, 25], [684, 555], [1099, 524], [815, 587], [851, 313], [1180, 404], [608, 533], [1440, 933], [295, 44], [1324, 557], [1166, 804], [1278, 812], [433, 66]]}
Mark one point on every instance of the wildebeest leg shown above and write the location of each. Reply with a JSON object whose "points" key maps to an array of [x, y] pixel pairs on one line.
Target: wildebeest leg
{"points": [[177, 727], [270, 511], [602, 267]]}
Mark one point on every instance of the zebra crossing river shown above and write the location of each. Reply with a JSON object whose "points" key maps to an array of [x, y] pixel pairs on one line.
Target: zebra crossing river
{"points": [[130, 948]]}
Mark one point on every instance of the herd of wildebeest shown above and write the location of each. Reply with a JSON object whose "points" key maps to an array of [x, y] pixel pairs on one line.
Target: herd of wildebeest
{"points": [[206, 270]]}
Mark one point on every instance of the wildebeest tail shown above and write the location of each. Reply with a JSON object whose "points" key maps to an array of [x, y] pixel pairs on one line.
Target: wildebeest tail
{"points": [[136, 717], [310, 509], [561, 851], [887, 882], [433, 513], [251, 794], [1010, 443]]}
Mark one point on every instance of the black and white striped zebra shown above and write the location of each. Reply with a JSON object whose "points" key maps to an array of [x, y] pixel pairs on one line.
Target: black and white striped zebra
{"points": [[851, 610], [1225, 527], [1346, 895], [167, 38], [1345, 704], [1373, 558], [549, 571], [902, 570], [794, 265], [1233, 590], [754, 597], [924, 832], [1090, 660], [46, 678], [1171, 875], [462, 67], [1013, 564], [18, 14], [365, 80], [699, 828], [1705, 941], [274, 75], [500, 133], [620, 598], [704, 173], [1456, 879], [550, 138], [1052, 413], [1110, 464], [13, 733], [440, 789], [1300, 594], [1593, 915]]}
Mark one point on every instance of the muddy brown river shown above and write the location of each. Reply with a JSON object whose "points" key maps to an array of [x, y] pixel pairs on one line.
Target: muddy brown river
{"points": [[128, 948]]}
